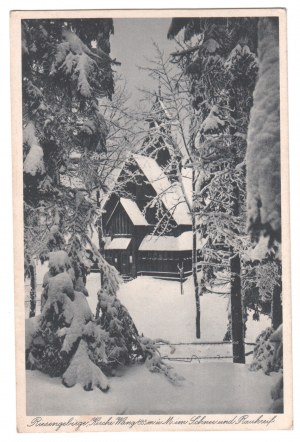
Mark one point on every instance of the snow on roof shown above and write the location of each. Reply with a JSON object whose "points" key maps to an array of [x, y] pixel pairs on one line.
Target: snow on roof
{"points": [[182, 242], [169, 193], [133, 212], [118, 244], [162, 243]]}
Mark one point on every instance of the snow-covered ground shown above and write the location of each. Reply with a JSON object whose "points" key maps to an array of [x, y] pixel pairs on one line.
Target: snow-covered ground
{"points": [[159, 310], [214, 388]]}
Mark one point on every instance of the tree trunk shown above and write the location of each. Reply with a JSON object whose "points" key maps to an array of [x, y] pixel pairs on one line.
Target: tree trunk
{"points": [[276, 307], [100, 233], [194, 264], [196, 283], [97, 314], [100, 238], [32, 272], [101, 249], [101, 244], [237, 326]]}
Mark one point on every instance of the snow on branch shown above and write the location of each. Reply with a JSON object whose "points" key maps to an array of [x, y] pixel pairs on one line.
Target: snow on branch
{"points": [[34, 163]]}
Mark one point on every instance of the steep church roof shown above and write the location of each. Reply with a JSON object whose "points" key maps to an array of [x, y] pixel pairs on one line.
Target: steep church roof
{"points": [[133, 212], [169, 193], [131, 208]]}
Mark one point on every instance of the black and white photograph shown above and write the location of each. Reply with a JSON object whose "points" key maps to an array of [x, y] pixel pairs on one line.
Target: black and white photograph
{"points": [[150, 184]]}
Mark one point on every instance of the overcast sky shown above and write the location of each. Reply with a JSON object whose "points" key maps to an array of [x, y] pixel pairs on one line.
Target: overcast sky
{"points": [[132, 42]]}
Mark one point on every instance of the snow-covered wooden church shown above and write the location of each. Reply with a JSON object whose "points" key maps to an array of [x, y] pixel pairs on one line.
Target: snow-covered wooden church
{"points": [[146, 220]]}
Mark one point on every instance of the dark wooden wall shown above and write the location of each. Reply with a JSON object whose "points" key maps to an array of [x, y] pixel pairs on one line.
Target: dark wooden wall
{"points": [[119, 224], [164, 262]]}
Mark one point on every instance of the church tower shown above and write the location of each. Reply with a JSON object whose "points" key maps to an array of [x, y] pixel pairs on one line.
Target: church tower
{"points": [[159, 144]]}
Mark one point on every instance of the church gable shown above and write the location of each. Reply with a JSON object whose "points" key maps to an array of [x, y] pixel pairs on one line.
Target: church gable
{"points": [[123, 217], [143, 182]]}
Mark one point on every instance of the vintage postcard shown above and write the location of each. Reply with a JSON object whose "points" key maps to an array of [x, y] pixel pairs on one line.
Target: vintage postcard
{"points": [[151, 220]]}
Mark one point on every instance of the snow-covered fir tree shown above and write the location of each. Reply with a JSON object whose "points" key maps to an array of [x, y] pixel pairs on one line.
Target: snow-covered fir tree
{"points": [[218, 57], [67, 80], [66, 71], [67, 341]]}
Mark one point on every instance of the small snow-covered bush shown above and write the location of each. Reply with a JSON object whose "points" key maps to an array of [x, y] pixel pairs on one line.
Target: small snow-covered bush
{"points": [[264, 355], [277, 396], [277, 390], [154, 361]]}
